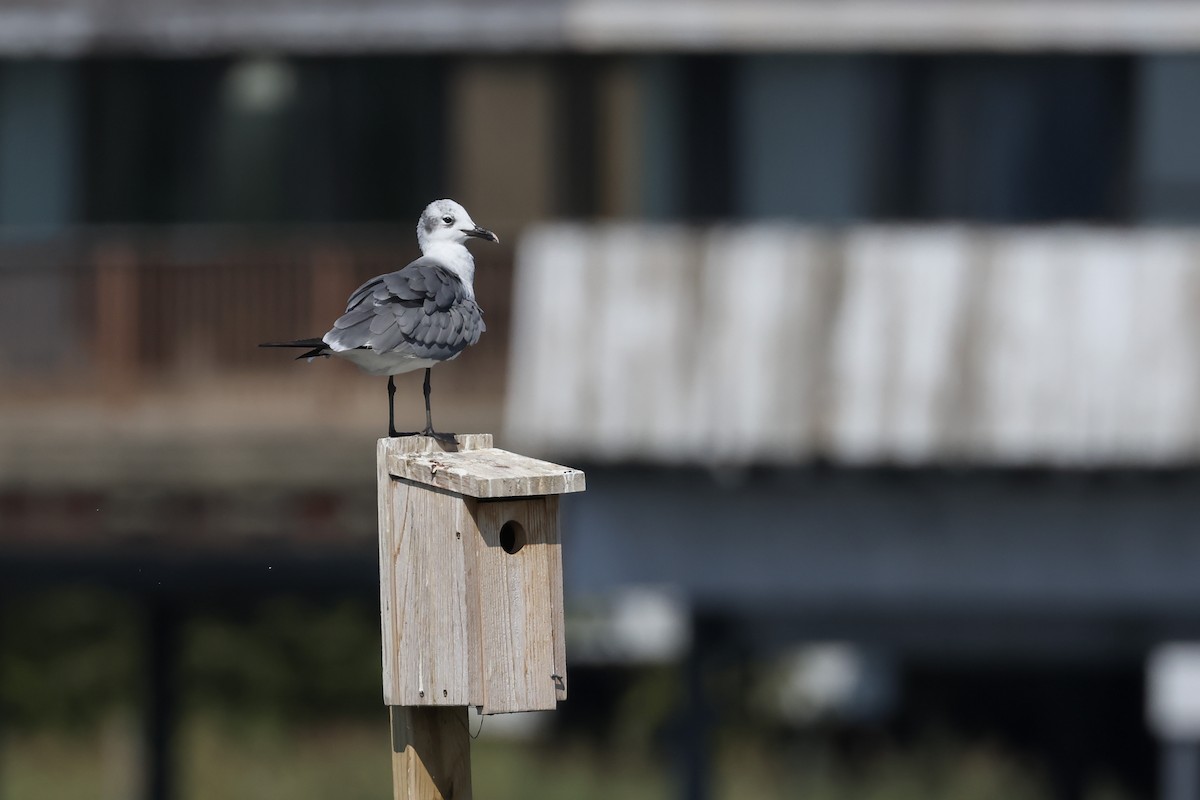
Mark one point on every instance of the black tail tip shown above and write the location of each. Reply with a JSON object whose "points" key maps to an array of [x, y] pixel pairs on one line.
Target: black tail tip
{"points": [[317, 343]]}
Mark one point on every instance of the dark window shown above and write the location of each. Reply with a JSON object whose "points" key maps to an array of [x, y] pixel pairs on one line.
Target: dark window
{"points": [[807, 136], [1006, 139], [709, 130], [1167, 168], [262, 140], [577, 146], [834, 138]]}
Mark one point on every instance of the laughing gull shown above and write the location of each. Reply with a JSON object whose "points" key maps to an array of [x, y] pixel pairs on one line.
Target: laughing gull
{"points": [[415, 317]]}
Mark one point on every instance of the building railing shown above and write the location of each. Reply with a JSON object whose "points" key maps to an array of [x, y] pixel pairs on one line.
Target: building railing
{"points": [[121, 307], [868, 344]]}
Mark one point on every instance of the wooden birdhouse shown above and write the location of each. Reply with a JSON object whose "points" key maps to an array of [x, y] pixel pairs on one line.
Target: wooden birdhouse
{"points": [[470, 575]]}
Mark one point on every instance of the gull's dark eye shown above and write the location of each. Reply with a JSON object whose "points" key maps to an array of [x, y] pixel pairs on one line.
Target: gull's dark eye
{"points": [[449, 220]]}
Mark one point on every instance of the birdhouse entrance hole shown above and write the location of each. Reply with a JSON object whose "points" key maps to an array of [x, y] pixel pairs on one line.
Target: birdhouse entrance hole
{"points": [[512, 536]]}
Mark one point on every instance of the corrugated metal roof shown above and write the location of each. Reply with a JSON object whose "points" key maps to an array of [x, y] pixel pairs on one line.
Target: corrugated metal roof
{"points": [[873, 345], [73, 27]]}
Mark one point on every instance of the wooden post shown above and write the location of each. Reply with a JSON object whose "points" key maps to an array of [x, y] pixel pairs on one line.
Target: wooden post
{"points": [[470, 589], [431, 753]]}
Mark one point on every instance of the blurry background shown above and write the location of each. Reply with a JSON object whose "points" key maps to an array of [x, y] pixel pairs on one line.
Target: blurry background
{"points": [[874, 323]]}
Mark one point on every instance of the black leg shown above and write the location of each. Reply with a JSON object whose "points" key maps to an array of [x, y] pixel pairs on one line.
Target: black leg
{"points": [[392, 406], [444, 438], [428, 416]]}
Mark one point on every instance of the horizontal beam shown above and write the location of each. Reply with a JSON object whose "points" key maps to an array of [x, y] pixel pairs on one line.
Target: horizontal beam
{"points": [[852, 25], [829, 542], [193, 27]]}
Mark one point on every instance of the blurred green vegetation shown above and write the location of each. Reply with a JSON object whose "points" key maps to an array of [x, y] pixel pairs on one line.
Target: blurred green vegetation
{"points": [[67, 657], [71, 657], [288, 658], [345, 761], [351, 761], [932, 768], [280, 699]]}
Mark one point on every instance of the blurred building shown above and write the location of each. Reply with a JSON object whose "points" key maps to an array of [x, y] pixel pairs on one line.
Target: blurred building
{"points": [[873, 321]]}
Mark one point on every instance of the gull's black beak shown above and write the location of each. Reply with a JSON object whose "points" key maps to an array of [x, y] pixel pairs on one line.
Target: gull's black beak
{"points": [[482, 233]]}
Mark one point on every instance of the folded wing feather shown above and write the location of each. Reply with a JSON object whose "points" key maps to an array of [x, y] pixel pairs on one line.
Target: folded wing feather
{"points": [[422, 310]]}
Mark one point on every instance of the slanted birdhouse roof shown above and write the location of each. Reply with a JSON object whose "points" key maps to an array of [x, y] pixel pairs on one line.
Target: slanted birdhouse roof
{"points": [[486, 473]]}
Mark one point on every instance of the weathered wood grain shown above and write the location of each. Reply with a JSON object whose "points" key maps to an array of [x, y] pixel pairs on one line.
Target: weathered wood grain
{"points": [[486, 473], [408, 445], [431, 754], [472, 564], [468, 617], [557, 604], [422, 590], [518, 597]]}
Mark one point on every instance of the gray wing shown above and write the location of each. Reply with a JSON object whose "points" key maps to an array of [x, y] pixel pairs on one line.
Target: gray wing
{"points": [[422, 310]]}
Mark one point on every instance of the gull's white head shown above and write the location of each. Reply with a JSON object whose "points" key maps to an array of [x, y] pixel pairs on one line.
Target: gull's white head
{"points": [[446, 222]]}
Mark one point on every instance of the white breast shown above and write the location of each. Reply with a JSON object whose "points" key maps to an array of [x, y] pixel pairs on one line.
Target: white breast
{"points": [[374, 363]]}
